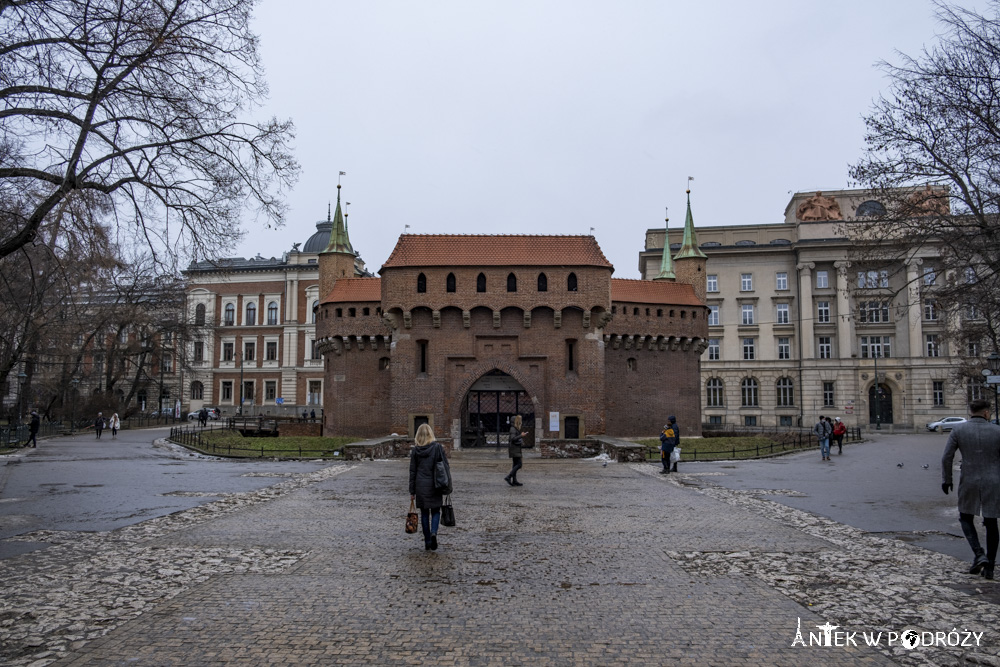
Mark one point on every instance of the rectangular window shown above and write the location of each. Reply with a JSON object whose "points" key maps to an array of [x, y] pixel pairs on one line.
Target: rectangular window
{"points": [[781, 280], [713, 316], [828, 400], [199, 351], [822, 280], [746, 282], [713, 349], [883, 278], [933, 346], [227, 351], [248, 391], [861, 280], [873, 312], [972, 349], [271, 350], [875, 347], [784, 348], [938, 392], [168, 337], [972, 312], [249, 349], [715, 419], [227, 391], [930, 310], [825, 348], [422, 356], [167, 363], [270, 390], [823, 312], [315, 394], [930, 276], [712, 283], [747, 311], [784, 420], [714, 393], [782, 313], [570, 351], [749, 420], [313, 352], [749, 351]]}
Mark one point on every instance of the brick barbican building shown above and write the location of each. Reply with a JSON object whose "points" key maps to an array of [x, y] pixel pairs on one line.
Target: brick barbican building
{"points": [[466, 331]]}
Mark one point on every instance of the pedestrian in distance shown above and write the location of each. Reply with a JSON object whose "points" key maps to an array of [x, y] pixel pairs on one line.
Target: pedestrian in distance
{"points": [[822, 430], [114, 424], [669, 438], [424, 457], [514, 444], [979, 483], [203, 417], [839, 431], [305, 415], [99, 424], [312, 415], [33, 426]]}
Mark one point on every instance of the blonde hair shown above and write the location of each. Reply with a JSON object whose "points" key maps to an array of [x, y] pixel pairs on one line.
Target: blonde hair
{"points": [[517, 421], [425, 435]]}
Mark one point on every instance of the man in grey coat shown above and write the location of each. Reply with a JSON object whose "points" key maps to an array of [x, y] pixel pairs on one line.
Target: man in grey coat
{"points": [[979, 484]]}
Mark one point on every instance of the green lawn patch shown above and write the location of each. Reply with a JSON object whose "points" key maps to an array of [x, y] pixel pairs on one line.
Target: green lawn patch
{"points": [[719, 449], [230, 443]]}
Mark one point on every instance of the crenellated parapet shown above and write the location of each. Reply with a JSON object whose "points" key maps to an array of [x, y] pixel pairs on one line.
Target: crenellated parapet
{"points": [[655, 343], [338, 345]]}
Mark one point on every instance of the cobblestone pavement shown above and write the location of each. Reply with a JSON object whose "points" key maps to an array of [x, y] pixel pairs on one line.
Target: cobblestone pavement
{"points": [[586, 564]]}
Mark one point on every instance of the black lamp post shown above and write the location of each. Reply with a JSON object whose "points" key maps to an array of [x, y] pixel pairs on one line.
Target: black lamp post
{"points": [[993, 363], [72, 419], [241, 384], [878, 392], [22, 378]]}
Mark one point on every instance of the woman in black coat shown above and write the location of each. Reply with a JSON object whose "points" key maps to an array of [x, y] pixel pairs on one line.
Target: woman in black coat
{"points": [[423, 457], [515, 442]]}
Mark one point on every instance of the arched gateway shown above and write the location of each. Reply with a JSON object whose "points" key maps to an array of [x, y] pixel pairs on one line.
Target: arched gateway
{"points": [[488, 408]]}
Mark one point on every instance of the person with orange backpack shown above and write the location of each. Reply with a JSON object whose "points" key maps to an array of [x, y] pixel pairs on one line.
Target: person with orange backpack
{"points": [[670, 438]]}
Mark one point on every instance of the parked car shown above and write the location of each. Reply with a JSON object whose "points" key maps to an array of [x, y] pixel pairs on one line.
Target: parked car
{"points": [[213, 413], [945, 424]]}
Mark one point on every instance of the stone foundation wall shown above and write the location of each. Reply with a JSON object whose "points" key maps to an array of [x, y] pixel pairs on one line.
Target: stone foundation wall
{"points": [[385, 448], [620, 451]]}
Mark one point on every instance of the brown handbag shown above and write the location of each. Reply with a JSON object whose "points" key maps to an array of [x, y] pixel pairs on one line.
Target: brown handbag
{"points": [[412, 518]]}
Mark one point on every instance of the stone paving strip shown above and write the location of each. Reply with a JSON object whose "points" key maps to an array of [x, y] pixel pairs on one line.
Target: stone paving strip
{"points": [[869, 584], [86, 584]]}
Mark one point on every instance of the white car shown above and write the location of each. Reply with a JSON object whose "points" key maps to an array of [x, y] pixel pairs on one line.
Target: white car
{"points": [[945, 424], [213, 413]]}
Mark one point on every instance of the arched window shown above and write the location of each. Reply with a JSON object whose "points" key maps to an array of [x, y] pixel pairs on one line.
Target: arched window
{"points": [[421, 283], [229, 316], [481, 283], [749, 393], [786, 392], [199, 314], [315, 308], [630, 364], [450, 283], [543, 283], [272, 313], [715, 393], [870, 209], [511, 282], [571, 283], [197, 391], [251, 317]]}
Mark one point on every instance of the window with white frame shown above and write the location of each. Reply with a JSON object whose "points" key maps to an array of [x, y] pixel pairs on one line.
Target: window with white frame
{"points": [[972, 349], [883, 278], [749, 393], [828, 398], [822, 280], [784, 349], [785, 389], [781, 280], [229, 315], [227, 391], [167, 363], [713, 316], [873, 347], [873, 312], [272, 313], [713, 349], [228, 351], [933, 345], [749, 349], [251, 314], [271, 350], [746, 282], [315, 395], [823, 312], [747, 313], [249, 351], [270, 390], [825, 347], [975, 389], [199, 351], [782, 314], [930, 276], [937, 392], [712, 283], [930, 310], [715, 393]]}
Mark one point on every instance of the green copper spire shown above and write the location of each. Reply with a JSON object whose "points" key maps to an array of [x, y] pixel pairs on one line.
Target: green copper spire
{"points": [[689, 247], [666, 264], [339, 241]]}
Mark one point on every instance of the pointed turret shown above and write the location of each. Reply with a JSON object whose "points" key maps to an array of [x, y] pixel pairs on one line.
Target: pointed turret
{"points": [[690, 261], [666, 262], [339, 241], [337, 261]]}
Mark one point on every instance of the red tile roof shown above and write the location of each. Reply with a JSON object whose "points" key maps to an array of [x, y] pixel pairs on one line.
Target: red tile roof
{"points": [[653, 291], [355, 289], [498, 250]]}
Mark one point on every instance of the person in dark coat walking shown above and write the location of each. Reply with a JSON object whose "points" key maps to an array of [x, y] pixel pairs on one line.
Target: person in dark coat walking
{"points": [[35, 424], [670, 438], [423, 458], [514, 445], [979, 483], [99, 424]]}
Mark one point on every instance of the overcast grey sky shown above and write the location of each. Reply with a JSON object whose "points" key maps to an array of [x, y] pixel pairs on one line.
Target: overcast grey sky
{"points": [[555, 116]]}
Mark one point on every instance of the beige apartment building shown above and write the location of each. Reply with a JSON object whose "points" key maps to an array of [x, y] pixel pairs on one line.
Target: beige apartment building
{"points": [[796, 329]]}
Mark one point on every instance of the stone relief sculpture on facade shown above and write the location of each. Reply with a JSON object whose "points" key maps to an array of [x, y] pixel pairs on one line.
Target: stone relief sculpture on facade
{"points": [[819, 208]]}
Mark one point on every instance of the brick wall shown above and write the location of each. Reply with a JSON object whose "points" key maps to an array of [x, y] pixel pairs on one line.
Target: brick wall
{"points": [[301, 429]]}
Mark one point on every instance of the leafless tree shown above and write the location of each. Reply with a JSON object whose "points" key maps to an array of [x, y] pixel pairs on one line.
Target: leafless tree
{"points": [[143, 106], [933, 161]]}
